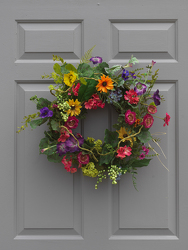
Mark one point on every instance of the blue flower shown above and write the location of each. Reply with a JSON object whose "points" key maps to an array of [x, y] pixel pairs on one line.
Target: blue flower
{"points": [[45, 112], [115, 96], [96, 59]]}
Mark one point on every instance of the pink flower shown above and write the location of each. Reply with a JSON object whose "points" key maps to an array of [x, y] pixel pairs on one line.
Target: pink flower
{"points": [[131, 97], [130, 117], [76, 89], [148, 121], [72, 122], [101, 104], [166, 120], [54, 106], [152, 109], [146, 150], [152, 63], [142, 156], [83, 159], [124, 151], [89, 104], [67, 164], [96, 97]]}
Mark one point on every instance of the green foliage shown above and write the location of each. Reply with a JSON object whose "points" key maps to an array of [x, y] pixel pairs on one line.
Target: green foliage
{"points": [[86, 91], [27, 119], [133, 60], [111, 138], [64, 70], [54, 158], [42, 102], [83, 81], [70, 67], [55, 125], [107, 155], [57, 68], [144, 136], [87, 56], [38, 122], [101, 68], [140, 163], [84, 70]]}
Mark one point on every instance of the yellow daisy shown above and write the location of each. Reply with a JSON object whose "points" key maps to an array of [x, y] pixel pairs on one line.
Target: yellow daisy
{"points": [[123, 133], [104, 84], [69, 78], [75, 107]]}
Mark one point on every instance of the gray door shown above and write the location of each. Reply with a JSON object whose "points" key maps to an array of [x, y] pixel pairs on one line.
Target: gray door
{"points": [[41, 205]]}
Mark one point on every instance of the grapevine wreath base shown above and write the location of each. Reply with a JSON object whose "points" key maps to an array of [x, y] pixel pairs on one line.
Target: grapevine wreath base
{"points": [[79, 89]]}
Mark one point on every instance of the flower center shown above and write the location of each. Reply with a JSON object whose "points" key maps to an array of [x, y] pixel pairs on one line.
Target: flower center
{"points": [[130, 117], [71, 123], [73, 107], [104, 84]]}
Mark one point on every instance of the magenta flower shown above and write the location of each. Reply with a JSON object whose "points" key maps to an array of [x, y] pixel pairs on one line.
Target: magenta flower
{"points": [[152, 63], [130, 117], [140, 88], [72, 122], [166, 120], [148, 121], [142, 156], [45, 112], [83, 159], [96, 59], [152, 109]]}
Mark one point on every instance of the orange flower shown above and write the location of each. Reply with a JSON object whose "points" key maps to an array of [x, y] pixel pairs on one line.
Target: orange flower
{"points": [[104, 84]]}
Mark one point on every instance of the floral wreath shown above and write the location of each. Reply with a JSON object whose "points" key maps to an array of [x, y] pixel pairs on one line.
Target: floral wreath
{"points": [[80, 89]]}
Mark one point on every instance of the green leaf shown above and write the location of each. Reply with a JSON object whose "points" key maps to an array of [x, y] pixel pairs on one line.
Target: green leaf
{"points": [[114, 69], [144, 136], [105, 159], [86, 91], [43, 143], [70, 67], [43, 103], [83, 81], [38, 122], [64, 70], [120, 82], [84, 70], [57, 68], [55, 125], [141, 163], [111, 138], [101, 68], [54, 158]]}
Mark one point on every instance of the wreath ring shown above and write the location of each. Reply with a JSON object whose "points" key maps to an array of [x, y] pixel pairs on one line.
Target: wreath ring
{"points": [[79, 89]]}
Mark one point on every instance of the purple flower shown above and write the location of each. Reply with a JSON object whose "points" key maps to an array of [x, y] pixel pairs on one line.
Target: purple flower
{"points": [[125, 74], [133, 75], [62, 148], [152, 63], [140, 88], [96, 59], [156, 97], [72, 144], [45, 112]]}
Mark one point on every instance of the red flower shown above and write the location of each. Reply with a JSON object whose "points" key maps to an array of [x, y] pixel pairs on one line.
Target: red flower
{"points": [[131, 97], [152, 109], [123, 151], [166, 120], [72, 122]]}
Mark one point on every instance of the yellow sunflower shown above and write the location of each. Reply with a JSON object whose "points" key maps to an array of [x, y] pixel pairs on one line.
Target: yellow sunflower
{"points": [[75, 107], [104, 84], [123, 133], [69, 78]]}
